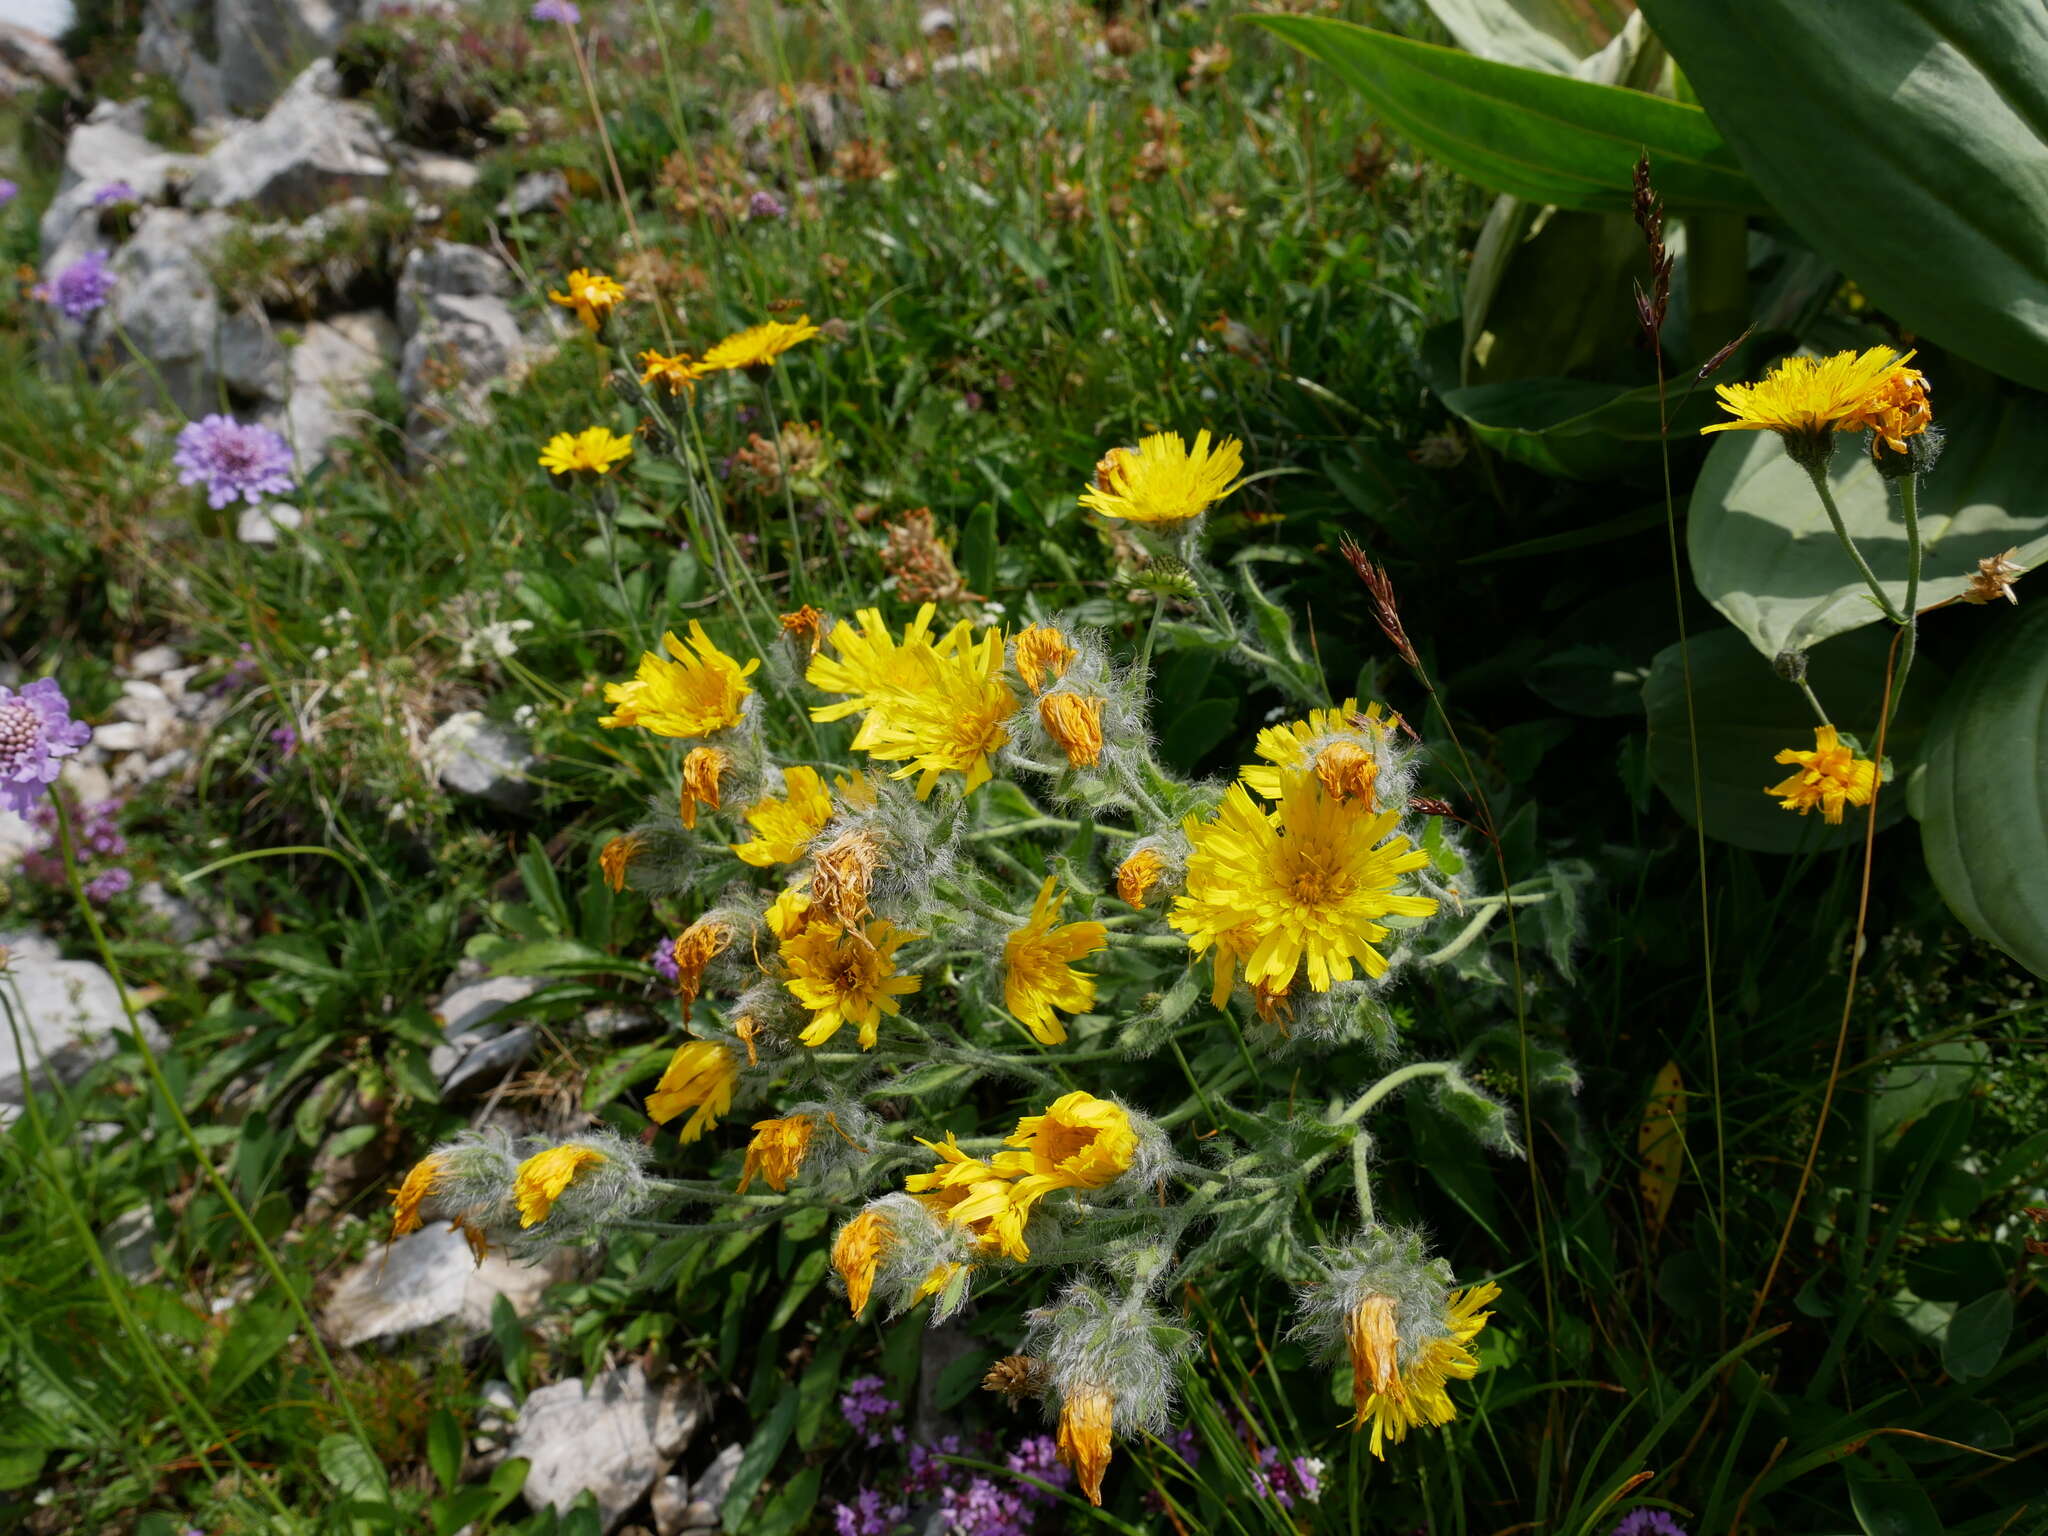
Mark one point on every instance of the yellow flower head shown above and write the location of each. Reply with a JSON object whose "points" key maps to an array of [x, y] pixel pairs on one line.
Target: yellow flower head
{"points": [[784, 825], [1138, 874], [703, 767], [592, 295], [847, 977], [1037, 978], [695, 948], [678, 373], [691, 695], [1418, 1397], [1316, 742], [417, 1185], [1830, 776], [758, 346], [700, 1076], [540, 1180], [1162, 480], [857, 1253], [1041, 652], [1084, 1436], [1298, 887], [592, 451], [936, 706], [975, 1196], [1896, 410], [1375, 1351], [1075, 722], [777, 1151], [615, 856], [788, 914], [1080, 1142], [1805, 398]]}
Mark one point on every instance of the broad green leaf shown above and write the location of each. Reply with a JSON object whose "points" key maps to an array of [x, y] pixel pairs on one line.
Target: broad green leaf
{"points": [[1886, 1498], [1765, 554], [1573, 427], [444, 1448], [755, 1462], [1976, 1336], [1909, 147], [1534, 34], [355, 1474], [1983, 798], [1747, 714], [1525, 132]]}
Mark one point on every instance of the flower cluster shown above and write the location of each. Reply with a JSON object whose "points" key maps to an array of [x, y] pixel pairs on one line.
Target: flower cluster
{"points": [[233, 460], [79, 291], [97, 844]]}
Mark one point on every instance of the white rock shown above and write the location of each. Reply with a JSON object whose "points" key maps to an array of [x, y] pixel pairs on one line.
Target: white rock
{"points": [[17, 838], [428, 1278], [28, 59], [249, 358], [935, 19], [474, 755], [444, 267], [180, 918], [163, 308], [471, 1005], [120, 736], [488, 1064], [309, 150], [69, 1012], [670, 1498], [108, 146], [261, 525], [177, 43], [613, 1440], [334, 369], [127, 1241], [434, 174], [462, 345], [535, 192], [259, 41], [615, 1022], [710, 1489], [154, 662]]}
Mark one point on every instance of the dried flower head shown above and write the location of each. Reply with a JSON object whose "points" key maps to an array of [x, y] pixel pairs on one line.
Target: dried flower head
{"points": [[703, 768], [676, 373], [1994, 579], [843, 876], [695, 948], [616, 856], [778, 1150], [1017, 1377], [805, 629], [919, 562], [1041, 653]]}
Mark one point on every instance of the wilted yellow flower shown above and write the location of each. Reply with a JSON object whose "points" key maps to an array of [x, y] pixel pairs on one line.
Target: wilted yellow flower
{"points": [[593, 296], [1075, 722], [694, 949], [701, 1076], [703, 767], [412, 1190], [806, 627], [540, 1180], [691, 695], [615, 857], [757, 346], [678, 373], [1805, 398], [1375, 1351], [1830, 776], [1896, 410], [784, 826], [847, 978], [1086, 1414], [1162, 480], [1420, 1397], [777, 1151], [592, 451], [842, 875], [1041, 652], [1037, 978], [1080, 1142], [1138, 874], [857, 1252], [1994, 579], [1286, 748]]}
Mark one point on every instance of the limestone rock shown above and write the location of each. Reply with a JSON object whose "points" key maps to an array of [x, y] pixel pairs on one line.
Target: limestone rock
{"points": [[488, 1063], [28, 59], [260, 42], [107, 147], [249, 358], [535, 192], [474, 755], [333, 371], [612, 1439], [310, 149], [436, 175], [707, 1494], [479, 1002], [163, 309], [428, 1278], [262, 526], [441, 268], [176, 42], [69, 1012]]}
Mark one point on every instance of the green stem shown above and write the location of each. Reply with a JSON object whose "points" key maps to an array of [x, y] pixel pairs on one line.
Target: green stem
{"points": [[1909, 504], [1362, 1105], [1813, 700], [1819, 475]]}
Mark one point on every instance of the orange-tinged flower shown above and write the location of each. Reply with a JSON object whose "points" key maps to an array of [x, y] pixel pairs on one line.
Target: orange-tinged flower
{"points": [[784, 825], [539, 1181], [616, 855], [1896, 410], [593, 296], [1037, 976], [703, 767], [695, 948], [1805, 398], [842, 875], [417, 1185], [1080, 1142], [847, 977], [676, 373], [700, 1076], [806, 627], [1084, 1436], [1830, 776], [1418, 1396], [1374, 1346], [1345, 768], [778, 1150], [857, 1253], [1138, 874], [1041, 653], [1075, 722]]}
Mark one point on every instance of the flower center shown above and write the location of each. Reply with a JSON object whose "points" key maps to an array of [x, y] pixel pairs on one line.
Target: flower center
{"points": [[1313, 881], [19, 727]]}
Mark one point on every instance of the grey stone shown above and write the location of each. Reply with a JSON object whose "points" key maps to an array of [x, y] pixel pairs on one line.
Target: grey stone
{"points": [[260, 42], [474, 755], [710, 1489], [128, 1242], [434, 174], [163, 309], [444, 267], [310, 149], [176, 42], [108, 146], [822, 121], [670, 1497], [154, 662], [333, 371], [429, 1278], [476, 1003], [69, 1012], [461, 345], [119, 736], [183, 921], [262, 525], [489, 1063], [614, 1022], [612, 1440], [535, 192], [249, 358]]}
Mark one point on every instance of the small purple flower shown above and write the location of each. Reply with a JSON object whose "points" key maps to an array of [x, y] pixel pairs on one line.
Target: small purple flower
{"points": [[984, 1509], [8, 191], [115, 193], [972, 399], [1285, 1481], [866, 1406], [36, 729], [286, 741], [1649, 1522], [80, 288], [104, 887], [232, 458], [1038, 1457], [765, 205], [928, 1470], [867, 1515], [664, 962], [563, 11]]}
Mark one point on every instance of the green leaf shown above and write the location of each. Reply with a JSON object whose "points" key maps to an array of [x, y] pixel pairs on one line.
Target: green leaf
{"points": [[756, 1461], [1534, 135], [1536, 34], [1573, 428], [819, 1386], [257, 1334], [347, 1464], [1885, 1497], [1765, 554], [1982, 800], [444, 1448], [1193, 733], [978, 544], [1747, 714], [1906, 147], [791, 1506]]}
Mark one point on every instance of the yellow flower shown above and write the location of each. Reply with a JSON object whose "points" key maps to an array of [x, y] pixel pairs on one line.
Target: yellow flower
{"points": [[417, 1185], [777, 1151], [973, 1195], [695, 948], [1375, 1351], [1086, 1414], [1041, 652], [1830, 776], [700, 1076], [787, 914], [703, 767], [1080, 1142], [1075, 722], [592, 451], [1036, 976], [784, 825], [1297, 887], [677, 372], [592, 295], [689, 696], [941, 1276], [806, 627], [1162, 480], [1805, 398], [936, 706], [1286, 748], [1138, 874], [857, 1252], [847, 978], [1418, 1397], [616, 855], [758, 346], [1896, 410], [540, 1180]]}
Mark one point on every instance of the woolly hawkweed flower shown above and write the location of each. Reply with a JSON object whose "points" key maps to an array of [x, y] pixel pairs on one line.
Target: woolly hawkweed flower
{"points": [[543, 1177], [677, 373], [1160, 859], [1080, 1142], [592, 295], [1831, 776], [974, 1196], [593, 451], [898, 1245], [578, 1188], [784, 825], [703, 767], [778, 1150], [805, 629], [1111, 1364], [467, 1182], [847, 977], [700, 1076], [1038, 978], [1352, 751], [1163, 480], [694, 950], [233, 459], [79, 291], [616, 856], [1074, 721], [758, 346], [1804, 399], [1041, 653], [689, 695], [412, 1192], [1897, 409], [36, 732]]}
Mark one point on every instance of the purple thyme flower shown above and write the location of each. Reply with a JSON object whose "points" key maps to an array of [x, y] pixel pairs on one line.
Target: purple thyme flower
{"points": [[984, 1509], [765, 205], [928, 1472], [115, 193], [286, 740], [865, 1406], [80, 288], [1038, 1457], [563, 11], [1649, 1522], [867, 1515], [664, 962], [103, 888], [1285, 1481], [36, 729], [8, 191], [232, 458]]}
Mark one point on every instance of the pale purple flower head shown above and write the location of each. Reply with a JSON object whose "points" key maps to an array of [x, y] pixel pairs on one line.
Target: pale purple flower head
{"points": [[866, 1407], [868, 1515], [563, 11], [765, 205], [8, 191], [115, 193], [664, 962], [1649, 1522], [105, 886], [36, 729], [80, 288], [232, 458]]}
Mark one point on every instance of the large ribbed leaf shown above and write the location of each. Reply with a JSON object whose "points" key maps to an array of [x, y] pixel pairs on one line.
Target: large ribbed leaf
{"points": [[1906, 140], [1983, 799], [1763, 551], [1537, 34], [1535, 135]]}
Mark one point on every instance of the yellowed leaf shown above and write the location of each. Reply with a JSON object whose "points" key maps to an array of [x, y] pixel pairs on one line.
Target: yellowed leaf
{"points": [[1660, 1146]]}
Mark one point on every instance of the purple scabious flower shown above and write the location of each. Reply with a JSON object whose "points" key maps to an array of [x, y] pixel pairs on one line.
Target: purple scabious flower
{"points": [[8, 191], [36, 729], [115, 193], [232, 458], [80, 288], [1648, 1522], [563, 11], [867, 1515], [866, 1406], [765, 205]]}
